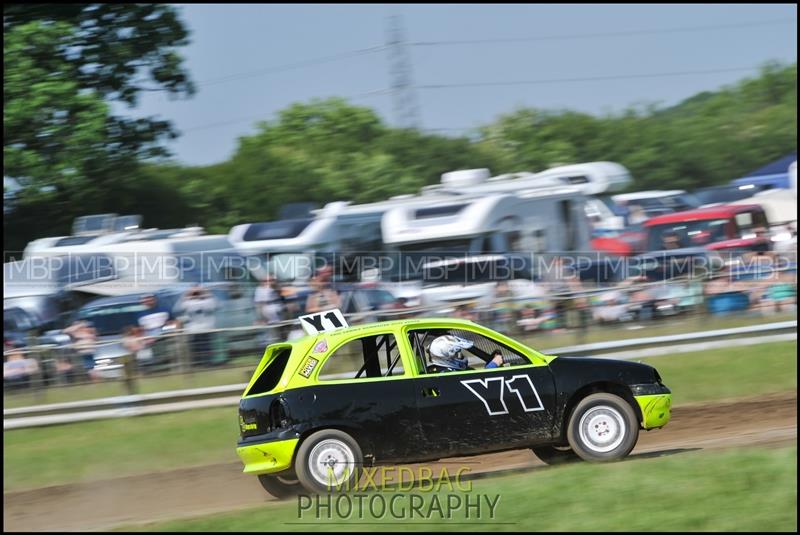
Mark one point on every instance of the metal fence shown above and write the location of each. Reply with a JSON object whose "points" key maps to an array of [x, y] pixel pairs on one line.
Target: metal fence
{"points": [[40, 368]]}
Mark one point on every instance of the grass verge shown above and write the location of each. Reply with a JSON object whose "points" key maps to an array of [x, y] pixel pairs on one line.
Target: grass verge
{"points": [[736, 490]]}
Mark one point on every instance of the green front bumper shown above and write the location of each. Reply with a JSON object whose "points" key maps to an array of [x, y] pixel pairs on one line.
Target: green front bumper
{"points": [[267, 457], [655, 409]]}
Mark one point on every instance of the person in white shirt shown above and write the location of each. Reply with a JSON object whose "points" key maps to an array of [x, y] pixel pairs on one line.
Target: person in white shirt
{"points": [[197, 310], [268, 301]]}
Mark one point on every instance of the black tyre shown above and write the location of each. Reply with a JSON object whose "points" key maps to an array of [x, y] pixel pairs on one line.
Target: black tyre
{"points": [[281, 487], [603, 427], [555, 455], [329, 460]]}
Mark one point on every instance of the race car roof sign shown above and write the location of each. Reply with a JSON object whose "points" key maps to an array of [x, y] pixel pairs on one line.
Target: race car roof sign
{"points": [[325, 321]]}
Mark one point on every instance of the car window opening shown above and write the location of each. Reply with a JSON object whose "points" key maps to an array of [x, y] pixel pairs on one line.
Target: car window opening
{"points": [[372, 352], [367, 357], [272, 373], [478, 355]]}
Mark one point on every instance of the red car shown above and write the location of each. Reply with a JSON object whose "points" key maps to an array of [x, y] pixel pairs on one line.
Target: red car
{"points": [[722, 228]]}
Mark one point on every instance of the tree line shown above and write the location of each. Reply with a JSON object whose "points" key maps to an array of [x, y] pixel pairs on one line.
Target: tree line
{"points": [[70, 155]]}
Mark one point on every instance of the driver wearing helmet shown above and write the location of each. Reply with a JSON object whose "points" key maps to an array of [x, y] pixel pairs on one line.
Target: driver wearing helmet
{"points": [[445, 355]]}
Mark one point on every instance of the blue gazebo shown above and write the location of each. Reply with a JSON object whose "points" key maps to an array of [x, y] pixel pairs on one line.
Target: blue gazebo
{"points": [[772, 176]]}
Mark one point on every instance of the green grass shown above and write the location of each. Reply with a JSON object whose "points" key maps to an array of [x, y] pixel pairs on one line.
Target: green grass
{"points": [[736, 490], [729, 373], [222, 376], [75, 452], [663, 327], [246, 364], [122, 446]]}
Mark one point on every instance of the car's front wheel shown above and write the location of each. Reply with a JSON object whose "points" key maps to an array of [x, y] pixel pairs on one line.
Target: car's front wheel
{"points": [[281, 487], [555, 455], [329, 460], [603, 427]]}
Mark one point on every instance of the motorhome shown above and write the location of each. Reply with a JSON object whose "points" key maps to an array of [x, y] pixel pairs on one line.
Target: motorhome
{"points": [[93, 231], [290, 249], [595, 180], [502, 232], [143, 263], [80, 259], [533, 220], [592, 178]]}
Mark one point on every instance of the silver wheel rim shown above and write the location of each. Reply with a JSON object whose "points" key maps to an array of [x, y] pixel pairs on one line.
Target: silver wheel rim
{"points": [[331, 462], [602, 429]]}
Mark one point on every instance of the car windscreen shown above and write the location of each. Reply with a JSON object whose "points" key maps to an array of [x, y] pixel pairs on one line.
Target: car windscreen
{"points": [[689, 233], [112, 319], [16, 319], [276, 230], [407, 263], [439, 247], [472, 272], [203, 268], [80, 269]]}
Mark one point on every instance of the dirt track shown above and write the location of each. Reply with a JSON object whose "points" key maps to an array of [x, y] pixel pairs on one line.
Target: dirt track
{"points": [[766, 420]]}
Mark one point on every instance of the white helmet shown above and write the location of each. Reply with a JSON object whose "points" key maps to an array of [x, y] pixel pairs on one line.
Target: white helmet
{"points": [[445, 351]]}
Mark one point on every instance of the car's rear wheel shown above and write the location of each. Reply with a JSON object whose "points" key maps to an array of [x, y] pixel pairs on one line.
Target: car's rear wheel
{"points": [[554, 455], [603, 427], [280, 486], [329, 460]]}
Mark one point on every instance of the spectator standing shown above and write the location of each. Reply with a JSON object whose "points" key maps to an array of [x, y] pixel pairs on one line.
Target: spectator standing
{"points": [[65, 372], [17, 368], [269, 301], [152, 321], [323, 296], [572, 308], [503, 306], [155, 317], [84, 339], [134, 342], [197, 311]]}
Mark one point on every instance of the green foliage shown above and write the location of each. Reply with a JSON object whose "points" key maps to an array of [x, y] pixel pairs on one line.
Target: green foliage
{"points": [[113, 49], [322, 151], [708, 139], [63, 65], [329, 150]]}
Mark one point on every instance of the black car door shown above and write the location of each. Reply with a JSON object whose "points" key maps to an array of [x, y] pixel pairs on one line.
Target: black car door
{"points": [[486, 409], [364, 385]]}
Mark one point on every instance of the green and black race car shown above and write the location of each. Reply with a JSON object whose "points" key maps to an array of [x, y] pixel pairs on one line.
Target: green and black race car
{"points": [[319, 408]]}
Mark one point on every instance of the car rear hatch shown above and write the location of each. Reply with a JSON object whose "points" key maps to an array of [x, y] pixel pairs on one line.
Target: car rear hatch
{"points": [[262, 409]]}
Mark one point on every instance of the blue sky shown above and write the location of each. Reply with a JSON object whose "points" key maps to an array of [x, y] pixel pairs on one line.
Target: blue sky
{"points": [[233, 39]]}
